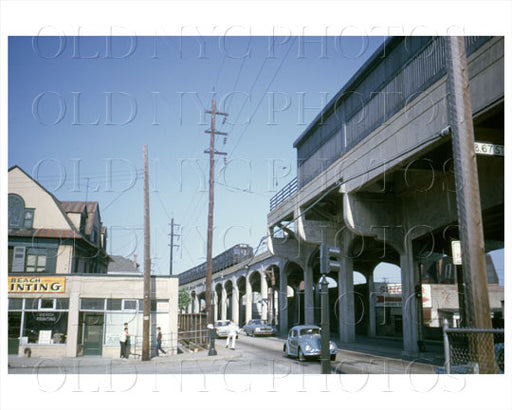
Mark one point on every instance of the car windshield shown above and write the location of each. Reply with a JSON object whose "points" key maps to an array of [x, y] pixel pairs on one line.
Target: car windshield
{"points": [[258, 322], [222, 323], [309, 331]]}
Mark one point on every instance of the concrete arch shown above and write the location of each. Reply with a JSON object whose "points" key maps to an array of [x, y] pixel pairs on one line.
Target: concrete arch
{"points": [[291, 304], [253, 295]]}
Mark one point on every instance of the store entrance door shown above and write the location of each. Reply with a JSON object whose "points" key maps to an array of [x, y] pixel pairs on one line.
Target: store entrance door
{"points": [[93, 333]]}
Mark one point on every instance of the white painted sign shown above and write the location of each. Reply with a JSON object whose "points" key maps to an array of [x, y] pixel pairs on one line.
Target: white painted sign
{"points": [[45, 337], [456, 253], [489, 149]]}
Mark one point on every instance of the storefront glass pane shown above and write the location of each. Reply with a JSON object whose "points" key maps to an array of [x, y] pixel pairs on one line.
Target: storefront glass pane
{"points": [[45, 327], [130, 305], [14, 330], [15, 303], [114, 323], [47, 303], [92, 304], [114, 304], [63, 303]]}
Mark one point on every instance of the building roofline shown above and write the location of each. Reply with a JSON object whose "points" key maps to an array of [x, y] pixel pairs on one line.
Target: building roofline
{"points": [[61, 208], [358, 77]]}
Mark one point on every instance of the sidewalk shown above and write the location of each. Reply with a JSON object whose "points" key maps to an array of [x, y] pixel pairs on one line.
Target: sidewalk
{"points": [[386, 356], [366, 356], [17, 362]]}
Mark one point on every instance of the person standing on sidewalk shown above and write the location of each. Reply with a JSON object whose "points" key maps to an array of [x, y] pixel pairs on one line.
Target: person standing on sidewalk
{"points": [[232, 333], [127, 348], [159, 341], [122, 343]]}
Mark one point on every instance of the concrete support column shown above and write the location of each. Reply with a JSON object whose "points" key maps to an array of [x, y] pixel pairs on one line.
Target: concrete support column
{"points": [[409, 303], [223, 303], [372, 322], [248, 299], [215, 298], [196, 304], [73, 324], [347, 325], [309, 301], [264, 295], [190, 304], [283, 304], [235, 306]]}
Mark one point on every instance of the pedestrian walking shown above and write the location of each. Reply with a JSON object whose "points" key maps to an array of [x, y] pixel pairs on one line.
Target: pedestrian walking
{"points": [[159, 341], [127, 351], [233, 330]]}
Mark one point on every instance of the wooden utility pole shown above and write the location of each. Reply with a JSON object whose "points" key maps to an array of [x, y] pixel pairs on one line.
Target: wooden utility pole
{"points": [[468, 201], [209, 239], [172, 245], [147, 264]]}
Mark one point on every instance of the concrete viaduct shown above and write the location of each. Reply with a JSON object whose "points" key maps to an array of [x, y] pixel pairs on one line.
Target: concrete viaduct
{"points": [[375, 178]]}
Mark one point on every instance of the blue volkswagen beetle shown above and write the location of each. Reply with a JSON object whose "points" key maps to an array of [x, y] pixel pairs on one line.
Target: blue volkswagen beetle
{"points": [[305, 341]]}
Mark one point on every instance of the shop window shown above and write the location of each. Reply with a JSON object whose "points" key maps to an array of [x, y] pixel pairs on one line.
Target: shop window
{"points": [[92, 304], [15, 303], [62, 303], [14, 326], [114, 304], [130, 304], [45, 327], [47, 304], [114, 323]]}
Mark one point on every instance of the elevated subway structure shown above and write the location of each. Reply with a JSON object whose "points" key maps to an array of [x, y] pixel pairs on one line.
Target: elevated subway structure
{"points": [[240, 292], [375, 178]]}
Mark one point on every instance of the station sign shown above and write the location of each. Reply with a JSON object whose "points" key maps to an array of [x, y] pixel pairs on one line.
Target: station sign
{"points": [[483, 148], [37, 284]]}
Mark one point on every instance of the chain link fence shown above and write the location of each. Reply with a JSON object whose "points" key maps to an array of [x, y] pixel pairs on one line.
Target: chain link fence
{"points": [[473, 351]]}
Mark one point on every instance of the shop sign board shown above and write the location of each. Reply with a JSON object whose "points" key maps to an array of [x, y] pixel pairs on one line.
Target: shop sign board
{"points": [[37, 284]]}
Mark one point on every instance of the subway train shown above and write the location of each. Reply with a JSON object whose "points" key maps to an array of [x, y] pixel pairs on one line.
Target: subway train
{"points": [[230, 257]]}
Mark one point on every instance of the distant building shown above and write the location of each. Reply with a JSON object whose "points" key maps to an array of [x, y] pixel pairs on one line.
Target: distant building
{"points": [[119, 265]]}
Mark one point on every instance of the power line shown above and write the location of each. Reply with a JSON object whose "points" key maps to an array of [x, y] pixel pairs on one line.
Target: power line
{"points": [[264, 93]]}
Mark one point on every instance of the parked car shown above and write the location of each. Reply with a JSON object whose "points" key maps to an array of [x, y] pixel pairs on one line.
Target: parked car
{"points": [[258, 327], [222, 328], [305, 341]]}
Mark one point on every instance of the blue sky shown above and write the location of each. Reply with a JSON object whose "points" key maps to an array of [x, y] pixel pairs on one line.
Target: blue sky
{"points": [[81, 109]]}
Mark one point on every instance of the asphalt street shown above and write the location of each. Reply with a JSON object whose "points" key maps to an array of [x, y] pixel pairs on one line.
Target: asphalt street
{"points": [[260, 355]]}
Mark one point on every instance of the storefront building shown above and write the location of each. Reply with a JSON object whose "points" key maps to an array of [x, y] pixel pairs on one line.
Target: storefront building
{"points": [[75, 315], [62, 300]]}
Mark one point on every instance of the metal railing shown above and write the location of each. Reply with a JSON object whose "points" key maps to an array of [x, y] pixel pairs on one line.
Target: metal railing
{"points": [[289, 189], [473, 351], [172, 343], [384, 87]]}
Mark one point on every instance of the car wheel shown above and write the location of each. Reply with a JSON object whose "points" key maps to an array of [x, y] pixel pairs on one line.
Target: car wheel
{"points": [[302, 358]]}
